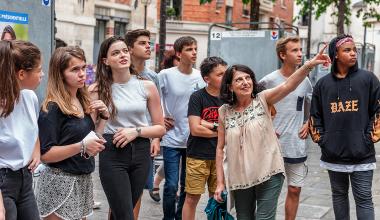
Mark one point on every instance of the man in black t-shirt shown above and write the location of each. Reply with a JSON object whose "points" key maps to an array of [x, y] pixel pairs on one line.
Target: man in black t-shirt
{"points": [[201, 145]]}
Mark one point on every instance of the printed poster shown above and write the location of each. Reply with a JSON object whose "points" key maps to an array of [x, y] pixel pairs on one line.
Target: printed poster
{"points": [[14, 25]]}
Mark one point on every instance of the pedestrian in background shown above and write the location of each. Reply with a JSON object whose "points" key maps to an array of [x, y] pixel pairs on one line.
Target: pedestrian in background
{"points": [[20, 73], [138, 42], [65, 188], [124, 164], [248, 159], [177, 84], [170, 60]]}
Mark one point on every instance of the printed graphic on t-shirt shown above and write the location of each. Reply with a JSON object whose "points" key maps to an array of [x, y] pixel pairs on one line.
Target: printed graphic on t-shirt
{"points": [[196, 88], [347, 106], [210, 114]]}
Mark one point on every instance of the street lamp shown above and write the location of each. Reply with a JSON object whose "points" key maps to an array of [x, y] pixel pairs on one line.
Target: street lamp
{"points": [[145, 3]]}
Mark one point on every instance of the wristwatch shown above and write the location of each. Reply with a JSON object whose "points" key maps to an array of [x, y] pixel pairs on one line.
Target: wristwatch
{"points": [[138, 130], [215, 124]]}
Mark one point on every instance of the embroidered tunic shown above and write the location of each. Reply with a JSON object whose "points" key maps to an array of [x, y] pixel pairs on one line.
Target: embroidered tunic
{"points": [[252, 151]]}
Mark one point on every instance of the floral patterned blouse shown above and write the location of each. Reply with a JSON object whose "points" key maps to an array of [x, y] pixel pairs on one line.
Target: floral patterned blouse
{"points": [[252, 151]]}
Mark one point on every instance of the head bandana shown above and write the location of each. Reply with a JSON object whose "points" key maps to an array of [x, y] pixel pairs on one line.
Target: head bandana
{"points": [[344, 40]]}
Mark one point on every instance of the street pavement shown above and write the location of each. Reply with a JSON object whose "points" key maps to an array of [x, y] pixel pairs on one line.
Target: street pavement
{"points": [[315, 201]]}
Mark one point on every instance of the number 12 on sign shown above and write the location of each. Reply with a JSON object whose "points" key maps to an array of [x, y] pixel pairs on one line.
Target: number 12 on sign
{"points": [[216, 36]]}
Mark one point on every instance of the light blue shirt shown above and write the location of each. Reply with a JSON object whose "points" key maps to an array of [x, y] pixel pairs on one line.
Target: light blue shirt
{"points": [[176, 89]]}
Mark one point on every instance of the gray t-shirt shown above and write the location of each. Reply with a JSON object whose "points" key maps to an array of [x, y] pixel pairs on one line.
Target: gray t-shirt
{"points": [[176, 89], [130, 100], [290, 115], [19, 132], [152, 76]]}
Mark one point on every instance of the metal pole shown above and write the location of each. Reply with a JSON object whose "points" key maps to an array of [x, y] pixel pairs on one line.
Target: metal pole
{"points": [[162, 33], [145, 12], [309, 29], [364, 45]]}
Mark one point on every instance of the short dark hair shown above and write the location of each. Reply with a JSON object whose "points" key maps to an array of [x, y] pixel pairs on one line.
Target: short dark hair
{"points": [[131, 36], [226, 94], [209, 63], [59, 43], [183, 41]]}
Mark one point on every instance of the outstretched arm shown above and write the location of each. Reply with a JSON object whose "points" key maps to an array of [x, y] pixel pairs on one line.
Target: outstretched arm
{"points": [[279, 92]]}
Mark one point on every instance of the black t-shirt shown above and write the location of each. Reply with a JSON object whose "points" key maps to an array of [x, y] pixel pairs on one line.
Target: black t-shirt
{"points": [[58, 129], [206, 107]]}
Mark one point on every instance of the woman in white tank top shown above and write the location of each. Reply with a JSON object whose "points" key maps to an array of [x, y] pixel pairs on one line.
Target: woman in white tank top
{"points": [[124, 164]]}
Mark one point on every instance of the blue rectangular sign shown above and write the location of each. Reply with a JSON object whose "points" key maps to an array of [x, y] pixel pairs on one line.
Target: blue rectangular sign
{"points": [[13, 17]]}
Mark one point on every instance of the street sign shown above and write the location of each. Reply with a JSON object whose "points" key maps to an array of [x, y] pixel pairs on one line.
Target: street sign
{"points": [[274, 35], [46, 2]]}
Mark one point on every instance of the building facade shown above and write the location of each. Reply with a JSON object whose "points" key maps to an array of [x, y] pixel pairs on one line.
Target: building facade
{"points": [[324, 29], [87, 23], [188, 17]]}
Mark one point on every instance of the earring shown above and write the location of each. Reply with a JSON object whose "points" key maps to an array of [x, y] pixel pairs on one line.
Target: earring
{"points": [[232, 96]]}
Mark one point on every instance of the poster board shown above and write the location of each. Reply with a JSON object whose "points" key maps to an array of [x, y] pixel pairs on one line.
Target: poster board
{"points": [[31, 20]]}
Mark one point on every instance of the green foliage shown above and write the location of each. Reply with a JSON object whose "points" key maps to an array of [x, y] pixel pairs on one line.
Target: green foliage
{"points": [[171, 12], [320, 7]]}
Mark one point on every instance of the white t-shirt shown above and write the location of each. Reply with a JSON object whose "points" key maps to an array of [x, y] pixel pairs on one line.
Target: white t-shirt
{"points": [[19, 132], [290, 115], [176, 89]]}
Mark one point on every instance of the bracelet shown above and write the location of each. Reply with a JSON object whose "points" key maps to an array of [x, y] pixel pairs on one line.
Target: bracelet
{"points": [[103, 117], [83, 150], [308, 67]]}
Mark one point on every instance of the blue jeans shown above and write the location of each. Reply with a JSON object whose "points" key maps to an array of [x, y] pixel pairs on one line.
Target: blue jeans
{"points": [[264, 196], [361, 182], [172, 159], [149, 181]]}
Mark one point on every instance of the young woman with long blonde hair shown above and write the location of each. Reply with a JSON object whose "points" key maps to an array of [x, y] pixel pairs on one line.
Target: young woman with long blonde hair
{"points": [[68, 143]]}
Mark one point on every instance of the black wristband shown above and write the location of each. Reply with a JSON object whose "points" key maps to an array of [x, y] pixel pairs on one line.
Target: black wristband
{"points": [[103, 117]]}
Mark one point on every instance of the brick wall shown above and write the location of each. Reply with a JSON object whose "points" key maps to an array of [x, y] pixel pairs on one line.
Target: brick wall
{"points": [[125, 2], [193, 11], [283, 9]]}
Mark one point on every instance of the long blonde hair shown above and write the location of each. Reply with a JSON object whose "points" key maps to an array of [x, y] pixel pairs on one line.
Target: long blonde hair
{"points": [[56, 90]]}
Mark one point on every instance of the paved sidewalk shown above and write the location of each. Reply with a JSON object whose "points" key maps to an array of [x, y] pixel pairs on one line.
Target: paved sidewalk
{"points": [[315, 197]]}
